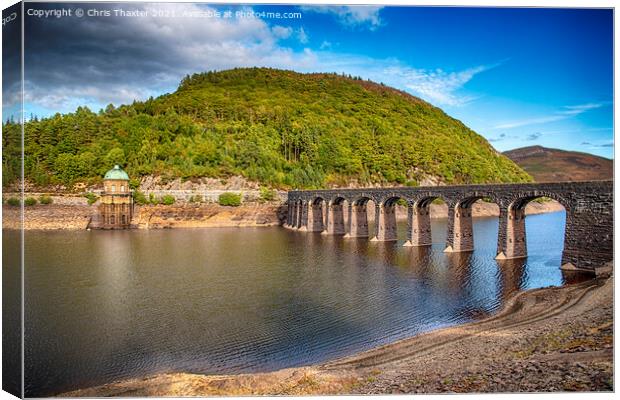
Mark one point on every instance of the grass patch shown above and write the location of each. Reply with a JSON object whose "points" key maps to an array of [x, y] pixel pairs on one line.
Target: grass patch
{"points": [[45, 200], [168, 200], [550, 342], [230, 199]]}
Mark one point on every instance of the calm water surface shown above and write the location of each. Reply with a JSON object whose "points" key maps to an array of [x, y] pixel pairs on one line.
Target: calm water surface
{"points": [[103, 306]]}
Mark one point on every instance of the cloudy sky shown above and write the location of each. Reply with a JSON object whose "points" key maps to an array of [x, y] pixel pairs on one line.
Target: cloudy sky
{"points": [[519, 77]]}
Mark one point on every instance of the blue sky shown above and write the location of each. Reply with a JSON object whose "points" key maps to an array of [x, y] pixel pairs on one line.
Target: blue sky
{"points": [[519, 77]]}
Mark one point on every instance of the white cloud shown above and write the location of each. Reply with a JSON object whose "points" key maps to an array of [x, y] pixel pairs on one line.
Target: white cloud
{"points": [[302, 36], [437, 86], [116, 70], [579, 109], [352, 16], [70, 97], [282, 32], [562, 114], [120, 53]]}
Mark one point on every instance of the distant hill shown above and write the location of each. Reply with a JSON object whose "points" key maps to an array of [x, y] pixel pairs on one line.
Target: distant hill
{"points": [[547, 165], [280, 128]]}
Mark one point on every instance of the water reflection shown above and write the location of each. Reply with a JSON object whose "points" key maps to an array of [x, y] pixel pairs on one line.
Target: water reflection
{"points": [[511, 277], [103, 306]]}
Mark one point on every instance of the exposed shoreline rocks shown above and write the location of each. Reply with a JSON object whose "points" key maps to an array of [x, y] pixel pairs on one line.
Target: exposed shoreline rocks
{"points": [[74, 213], [208, 216], [49, 217]]}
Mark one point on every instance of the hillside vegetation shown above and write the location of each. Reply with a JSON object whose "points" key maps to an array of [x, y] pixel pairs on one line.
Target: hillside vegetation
{"points": [[281, 128]]}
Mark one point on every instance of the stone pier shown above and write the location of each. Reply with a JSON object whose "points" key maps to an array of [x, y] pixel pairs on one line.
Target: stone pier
{"points": [[335, 219], [358, 220], [315, 217], [385, 222], [419, 218], [460, 229], [512, 242]]}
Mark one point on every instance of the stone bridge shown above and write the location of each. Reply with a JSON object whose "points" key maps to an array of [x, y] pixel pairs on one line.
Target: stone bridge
{"points": [[588, 237]]}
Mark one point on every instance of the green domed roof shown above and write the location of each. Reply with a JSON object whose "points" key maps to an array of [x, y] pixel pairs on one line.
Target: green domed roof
{"points": [[116, 173]]}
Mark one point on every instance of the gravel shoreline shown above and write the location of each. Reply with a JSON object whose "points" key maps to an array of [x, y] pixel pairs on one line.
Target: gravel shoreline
{"points": [[551, 339], [545, 340]]}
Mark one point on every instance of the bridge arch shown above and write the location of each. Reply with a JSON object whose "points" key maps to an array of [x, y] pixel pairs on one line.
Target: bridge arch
{"points": [[335, 221], [419, 228], [512, 237], [460, 219], [362, 200], [588, 241], [338, 200], [317, 208], [386, 227], [357, 221], [523, 199]]}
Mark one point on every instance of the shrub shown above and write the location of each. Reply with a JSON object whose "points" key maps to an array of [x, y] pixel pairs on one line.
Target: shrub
{"points": [[168, 200], [230, 199], [13, 201], [542, 200], [412, 182], [30, 201], [195, 199], [139, 198], [91, 197], [152, 199], [44, 199], [134, 184], [267, 194]]}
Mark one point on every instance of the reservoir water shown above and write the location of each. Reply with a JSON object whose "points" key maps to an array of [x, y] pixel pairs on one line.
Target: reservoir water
{"points": [[108, 305]]}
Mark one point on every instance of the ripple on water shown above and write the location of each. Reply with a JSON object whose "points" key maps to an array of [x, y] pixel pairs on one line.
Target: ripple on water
{"points": [[104, 306]]}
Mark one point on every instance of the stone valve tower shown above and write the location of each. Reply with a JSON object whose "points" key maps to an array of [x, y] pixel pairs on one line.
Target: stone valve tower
{"points": [[116, 205]]}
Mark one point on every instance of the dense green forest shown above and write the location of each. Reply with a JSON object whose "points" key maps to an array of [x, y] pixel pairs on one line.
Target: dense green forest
{"points": [[281, 128]]}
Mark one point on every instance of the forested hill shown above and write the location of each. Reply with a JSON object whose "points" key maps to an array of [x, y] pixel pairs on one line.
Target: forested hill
{"points": [[281, 128]]}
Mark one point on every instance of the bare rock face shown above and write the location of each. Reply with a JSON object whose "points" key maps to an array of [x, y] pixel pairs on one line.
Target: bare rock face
{"points": [[157, 183], [71, 212], [430, 181], [207, 216], [49, 217]]}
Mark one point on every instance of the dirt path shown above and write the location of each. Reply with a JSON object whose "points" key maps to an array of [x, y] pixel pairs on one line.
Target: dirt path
{"points": [[552, 339]]}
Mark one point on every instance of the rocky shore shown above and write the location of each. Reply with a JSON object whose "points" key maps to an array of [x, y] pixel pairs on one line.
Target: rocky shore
{"points": [[552, 339], [74, 213], [208, 216]]}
